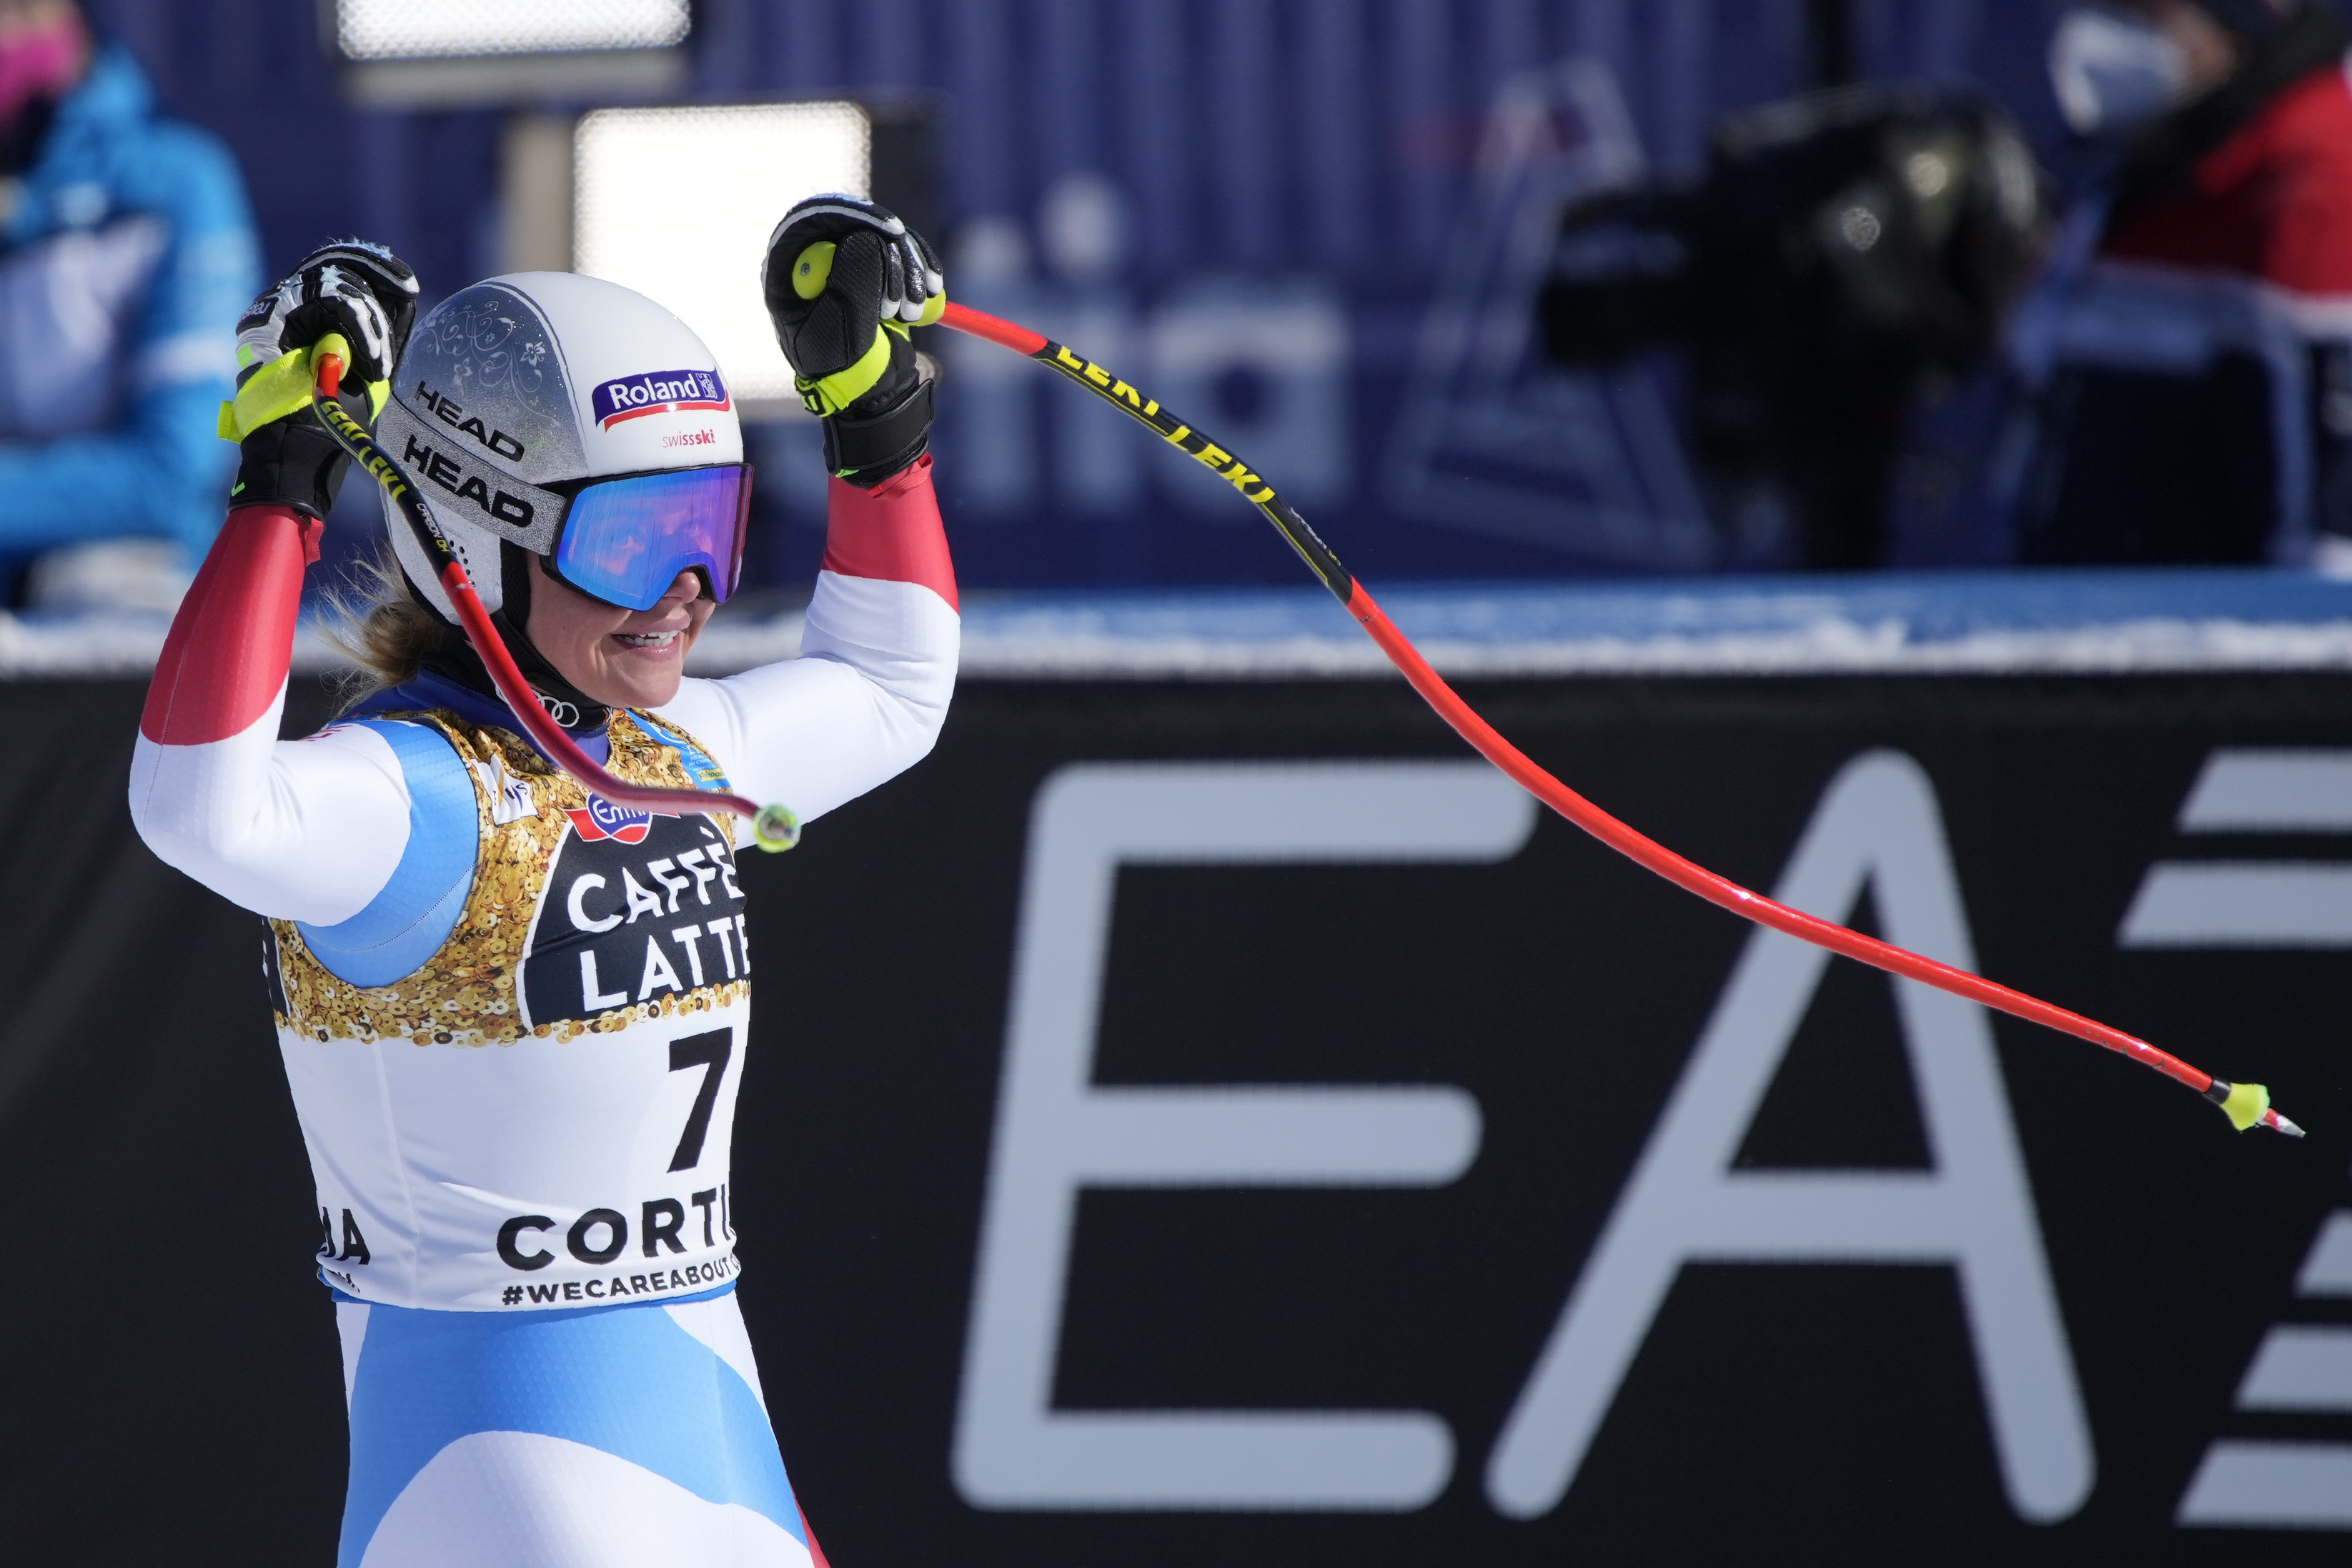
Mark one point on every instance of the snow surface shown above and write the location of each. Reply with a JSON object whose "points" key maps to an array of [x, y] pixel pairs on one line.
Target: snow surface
{"points": [[1970, 622], [1975, 623]]}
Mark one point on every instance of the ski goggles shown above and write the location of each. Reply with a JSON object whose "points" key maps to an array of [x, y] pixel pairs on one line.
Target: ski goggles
{"points": [[625, 540]]}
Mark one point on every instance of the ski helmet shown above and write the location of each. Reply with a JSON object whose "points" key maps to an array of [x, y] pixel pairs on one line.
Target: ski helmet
{"points": [[568, 418]]}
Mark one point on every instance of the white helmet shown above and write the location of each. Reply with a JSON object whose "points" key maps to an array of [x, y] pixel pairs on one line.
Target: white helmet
{"points": [[517, 397]]}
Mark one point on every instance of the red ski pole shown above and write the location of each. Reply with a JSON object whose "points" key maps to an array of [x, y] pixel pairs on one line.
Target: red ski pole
{"points": [[773, 827], [2246, 1105]]}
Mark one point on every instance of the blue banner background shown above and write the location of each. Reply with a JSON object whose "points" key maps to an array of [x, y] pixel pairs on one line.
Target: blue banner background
{"points": [[1253, 203]]}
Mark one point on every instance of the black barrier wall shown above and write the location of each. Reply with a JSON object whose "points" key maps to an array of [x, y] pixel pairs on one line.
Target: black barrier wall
{"points": [[1192, 1158]]}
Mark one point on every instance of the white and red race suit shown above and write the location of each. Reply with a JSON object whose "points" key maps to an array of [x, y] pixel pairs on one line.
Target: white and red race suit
{"points": [[513, 1016]]}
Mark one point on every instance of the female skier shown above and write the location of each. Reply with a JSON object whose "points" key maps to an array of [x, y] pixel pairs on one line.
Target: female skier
{"points": [[512, 1013]]}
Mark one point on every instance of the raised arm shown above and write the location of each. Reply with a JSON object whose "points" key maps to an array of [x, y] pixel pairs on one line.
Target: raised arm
{"points": [[306, 830], [865, 699], [845, 281], [309, 830]]}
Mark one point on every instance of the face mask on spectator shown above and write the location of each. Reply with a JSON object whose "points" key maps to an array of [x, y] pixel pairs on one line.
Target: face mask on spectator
{"points": [[38, 62], [2114, 71]]}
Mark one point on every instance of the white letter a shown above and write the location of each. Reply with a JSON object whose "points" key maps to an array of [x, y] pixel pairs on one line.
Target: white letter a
{"points": [[1877, 824]]}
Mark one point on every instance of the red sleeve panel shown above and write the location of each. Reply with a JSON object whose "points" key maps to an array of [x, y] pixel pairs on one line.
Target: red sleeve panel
{"points": [[2273, 202], [891, 533], [233, 640]]}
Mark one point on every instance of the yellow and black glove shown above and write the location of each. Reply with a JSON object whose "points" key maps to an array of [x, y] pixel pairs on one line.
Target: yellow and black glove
{"points": [[354, 298], [845, 281]]}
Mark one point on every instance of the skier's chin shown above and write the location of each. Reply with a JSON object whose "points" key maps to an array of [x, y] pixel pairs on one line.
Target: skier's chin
{"points": [[619, 658], [626, 670], [640, 670]]}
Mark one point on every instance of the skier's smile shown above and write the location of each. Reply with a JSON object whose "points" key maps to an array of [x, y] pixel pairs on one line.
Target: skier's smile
{"points": [[623, 658]]}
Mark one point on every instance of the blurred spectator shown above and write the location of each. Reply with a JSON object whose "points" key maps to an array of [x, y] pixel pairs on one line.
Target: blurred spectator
{"points": [[126, 254], [2189, 351]]}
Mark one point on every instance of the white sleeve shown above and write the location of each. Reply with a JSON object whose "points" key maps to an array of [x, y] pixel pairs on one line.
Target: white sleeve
{"points": [[306, 830], [863, 703]]}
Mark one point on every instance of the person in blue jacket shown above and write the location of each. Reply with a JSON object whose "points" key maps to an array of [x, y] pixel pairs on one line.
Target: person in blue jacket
{"points": [[127, 253]]}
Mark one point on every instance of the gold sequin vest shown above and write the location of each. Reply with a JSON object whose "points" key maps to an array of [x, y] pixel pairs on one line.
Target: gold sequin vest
{"points": [[541, 1114]]}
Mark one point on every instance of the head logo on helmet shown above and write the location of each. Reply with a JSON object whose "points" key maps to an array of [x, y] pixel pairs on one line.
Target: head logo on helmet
{"points": [[517, 390], [659, 392]]}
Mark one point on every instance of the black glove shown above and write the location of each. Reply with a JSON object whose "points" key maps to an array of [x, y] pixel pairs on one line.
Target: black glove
{"points": [[844, 280], [355, 290]]}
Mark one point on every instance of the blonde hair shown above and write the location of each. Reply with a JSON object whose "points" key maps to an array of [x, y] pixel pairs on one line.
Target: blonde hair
{"points": [[387, 631]]}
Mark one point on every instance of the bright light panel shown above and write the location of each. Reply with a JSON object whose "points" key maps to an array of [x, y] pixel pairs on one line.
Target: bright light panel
{"points": [[413, 29], [677, 203]]}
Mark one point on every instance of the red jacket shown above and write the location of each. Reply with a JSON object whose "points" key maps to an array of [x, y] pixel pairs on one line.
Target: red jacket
{"points": [[2273, 202], [2193, 382]]}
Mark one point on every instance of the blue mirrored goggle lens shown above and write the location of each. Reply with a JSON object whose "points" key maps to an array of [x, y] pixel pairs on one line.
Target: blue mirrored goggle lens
{"points": [[626, 540]]}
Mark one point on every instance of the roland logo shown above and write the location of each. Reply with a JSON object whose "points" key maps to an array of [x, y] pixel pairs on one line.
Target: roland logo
{"points": [[656, 392]]}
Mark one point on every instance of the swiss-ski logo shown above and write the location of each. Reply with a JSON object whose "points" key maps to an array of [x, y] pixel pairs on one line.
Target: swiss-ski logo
{"points": [[659, 392], [510, 798], [600, 818]]}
